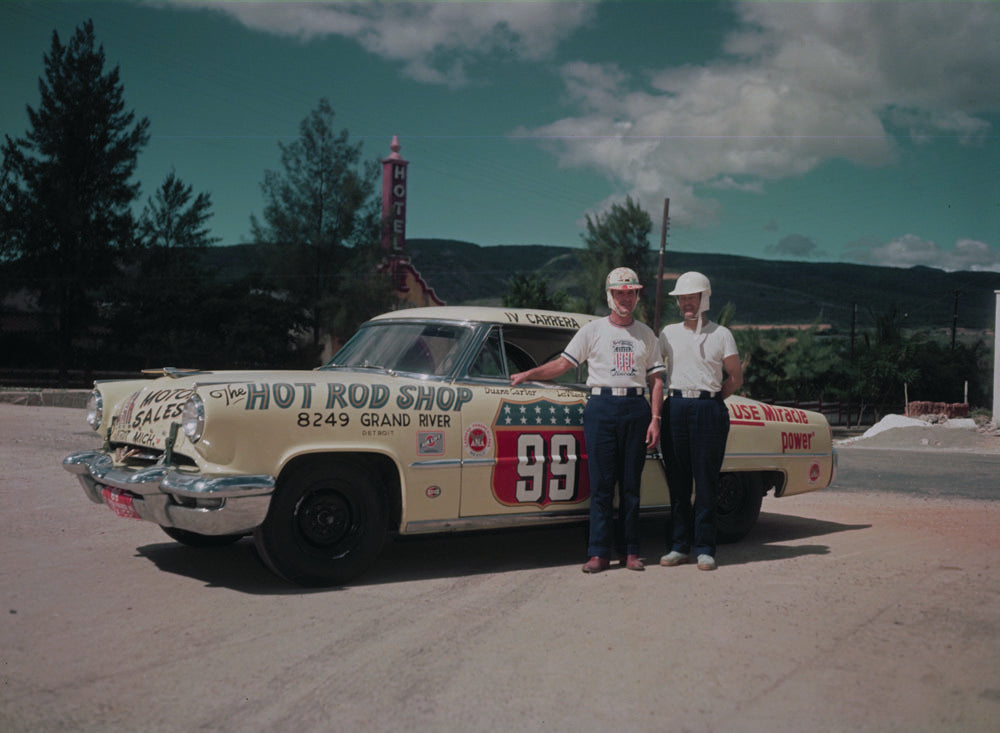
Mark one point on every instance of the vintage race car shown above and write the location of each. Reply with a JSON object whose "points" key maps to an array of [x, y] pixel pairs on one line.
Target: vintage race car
{"points": [[411, 428]]}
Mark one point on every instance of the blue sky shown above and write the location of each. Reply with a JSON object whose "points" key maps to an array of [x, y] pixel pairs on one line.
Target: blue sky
{"points": [[861, 132]]}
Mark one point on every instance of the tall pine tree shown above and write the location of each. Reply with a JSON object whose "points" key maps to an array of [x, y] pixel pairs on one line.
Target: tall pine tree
{"points": [[321, 218], [65, 188]]}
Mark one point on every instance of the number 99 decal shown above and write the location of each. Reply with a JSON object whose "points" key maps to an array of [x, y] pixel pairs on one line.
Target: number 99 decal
{"points": [[547, 469], [541, 468]]}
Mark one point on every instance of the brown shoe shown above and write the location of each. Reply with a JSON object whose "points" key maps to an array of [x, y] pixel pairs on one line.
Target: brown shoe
{"points": [[632, 562], [596, 564]]}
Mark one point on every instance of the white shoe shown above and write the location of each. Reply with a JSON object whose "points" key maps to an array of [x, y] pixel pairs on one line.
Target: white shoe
{"points": [[706, 562], [673, 558]]}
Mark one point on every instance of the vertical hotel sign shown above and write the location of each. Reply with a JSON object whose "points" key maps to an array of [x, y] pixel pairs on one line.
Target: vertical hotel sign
{"points": [[394, 201]]}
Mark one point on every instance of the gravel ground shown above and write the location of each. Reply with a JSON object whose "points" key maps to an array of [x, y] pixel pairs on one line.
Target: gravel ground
{"points": [[844, 610]]}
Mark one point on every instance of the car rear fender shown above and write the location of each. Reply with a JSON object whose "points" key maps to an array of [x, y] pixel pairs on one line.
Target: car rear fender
{"points": [[772, 481]]}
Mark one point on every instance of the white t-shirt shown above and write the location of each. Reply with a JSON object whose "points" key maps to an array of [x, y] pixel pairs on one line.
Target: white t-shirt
{"points": [[616, 356], [695, 362]]}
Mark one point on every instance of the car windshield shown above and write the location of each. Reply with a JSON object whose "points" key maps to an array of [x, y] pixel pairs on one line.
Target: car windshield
{"points": [[420, 348]]}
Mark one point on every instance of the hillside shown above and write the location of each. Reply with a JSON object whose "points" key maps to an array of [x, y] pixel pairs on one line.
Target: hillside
{"points": [[764, 292]]}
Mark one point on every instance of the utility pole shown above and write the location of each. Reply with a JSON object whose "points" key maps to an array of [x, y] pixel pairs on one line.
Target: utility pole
{"points": [[659, 275], [996, 361], [854, 317], [954, 319]]}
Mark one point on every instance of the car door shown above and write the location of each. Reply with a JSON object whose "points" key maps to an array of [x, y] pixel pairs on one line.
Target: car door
{"points": [[523, 447]]}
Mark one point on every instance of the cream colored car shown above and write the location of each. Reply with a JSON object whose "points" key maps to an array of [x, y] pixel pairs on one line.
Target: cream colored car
{"points": [[411, 428]]}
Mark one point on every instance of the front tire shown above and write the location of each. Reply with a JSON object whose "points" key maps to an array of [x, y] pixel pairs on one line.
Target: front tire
{"points": [[326, 524], [737, 505]]}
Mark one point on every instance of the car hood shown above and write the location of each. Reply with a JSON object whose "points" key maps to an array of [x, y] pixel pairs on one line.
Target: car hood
{"points": [[142, 411]]}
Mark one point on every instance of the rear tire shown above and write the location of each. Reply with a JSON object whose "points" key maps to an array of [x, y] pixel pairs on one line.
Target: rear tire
{"points": [[326, 524], [737, 505]]}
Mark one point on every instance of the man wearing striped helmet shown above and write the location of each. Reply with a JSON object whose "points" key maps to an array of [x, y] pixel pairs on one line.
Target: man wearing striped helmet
{"points": [[619, 425]]}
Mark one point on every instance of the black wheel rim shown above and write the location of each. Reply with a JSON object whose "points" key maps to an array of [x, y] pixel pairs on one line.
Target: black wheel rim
{"points": [[731, 495], [326, 519]]}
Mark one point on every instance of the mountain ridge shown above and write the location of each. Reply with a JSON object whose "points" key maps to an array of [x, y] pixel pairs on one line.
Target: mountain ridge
{"points": [[764, 292]]}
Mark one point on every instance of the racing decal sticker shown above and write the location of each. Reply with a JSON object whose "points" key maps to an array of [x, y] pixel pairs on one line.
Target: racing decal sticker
{"points": [[540, 453], [759, 415], [142, 421], [478, 440], [797, 441], [432, 492], [814, 472], [430, 443], [545, 319]]}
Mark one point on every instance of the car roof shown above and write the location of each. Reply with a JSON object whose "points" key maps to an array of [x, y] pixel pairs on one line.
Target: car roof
{"points": [[531, 317]]}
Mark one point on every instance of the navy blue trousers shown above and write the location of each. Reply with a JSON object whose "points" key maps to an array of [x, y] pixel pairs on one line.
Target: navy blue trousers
{"points": [[693, 443], [615, 431]]}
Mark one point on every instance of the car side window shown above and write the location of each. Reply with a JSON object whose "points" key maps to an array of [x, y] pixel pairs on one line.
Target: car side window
{"points": [[489, 362], [498, 358], [511, 349], [529, 347]]}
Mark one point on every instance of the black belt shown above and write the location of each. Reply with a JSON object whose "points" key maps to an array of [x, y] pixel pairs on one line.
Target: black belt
{"points": [[618, 391], [694, 394]]}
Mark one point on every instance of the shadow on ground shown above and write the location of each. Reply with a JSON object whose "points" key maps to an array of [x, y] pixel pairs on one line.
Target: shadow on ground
{"points": [[444, 556]]}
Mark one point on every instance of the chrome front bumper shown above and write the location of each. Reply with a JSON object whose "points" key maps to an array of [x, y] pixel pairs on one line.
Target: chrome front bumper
{"points": [[170, 497]]}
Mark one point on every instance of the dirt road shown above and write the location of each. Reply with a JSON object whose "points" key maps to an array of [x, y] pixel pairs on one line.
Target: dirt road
{"points": [[843, 611]]}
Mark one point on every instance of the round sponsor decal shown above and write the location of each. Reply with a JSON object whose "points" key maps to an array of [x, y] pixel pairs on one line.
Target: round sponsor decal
{"points": [[433, 492], [814, 472], [478, 439]]}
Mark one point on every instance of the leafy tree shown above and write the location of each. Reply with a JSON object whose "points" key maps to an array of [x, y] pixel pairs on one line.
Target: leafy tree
{"points": [[65, 190], [813, 367], [619, 238], [161, 301], [791, 365], [942, 372], [172, 220], [210, 325], [726, 314], [321, 218], [884, 365], [531, 291]]}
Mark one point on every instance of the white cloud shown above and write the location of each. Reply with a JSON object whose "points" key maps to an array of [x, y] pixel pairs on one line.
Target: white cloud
{"points": [[911, 250], [434, 41], [795, 245], [800, 84]]}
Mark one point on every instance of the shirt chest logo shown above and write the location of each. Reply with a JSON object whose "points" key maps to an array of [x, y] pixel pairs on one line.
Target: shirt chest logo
{"points": [[623, 363]]}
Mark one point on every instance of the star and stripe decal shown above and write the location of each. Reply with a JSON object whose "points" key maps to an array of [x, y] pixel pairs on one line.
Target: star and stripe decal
{"points": [[539, 413]]}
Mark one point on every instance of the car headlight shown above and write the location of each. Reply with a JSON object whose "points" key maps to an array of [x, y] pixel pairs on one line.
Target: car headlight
{"points": [[95, 409], [193, 418]]}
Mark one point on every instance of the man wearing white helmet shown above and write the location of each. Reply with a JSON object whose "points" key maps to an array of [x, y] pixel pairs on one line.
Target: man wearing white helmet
{"points": [[619, 425], [697, 352]]}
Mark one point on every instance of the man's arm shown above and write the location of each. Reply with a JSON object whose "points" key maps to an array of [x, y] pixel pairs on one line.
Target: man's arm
{"points": [[543, 373], [734, 375], [655, 406]]}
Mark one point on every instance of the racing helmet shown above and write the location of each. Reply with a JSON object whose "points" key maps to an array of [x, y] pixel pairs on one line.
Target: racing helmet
{"points": [[694, 282], [620, 278], [690, 283]]}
